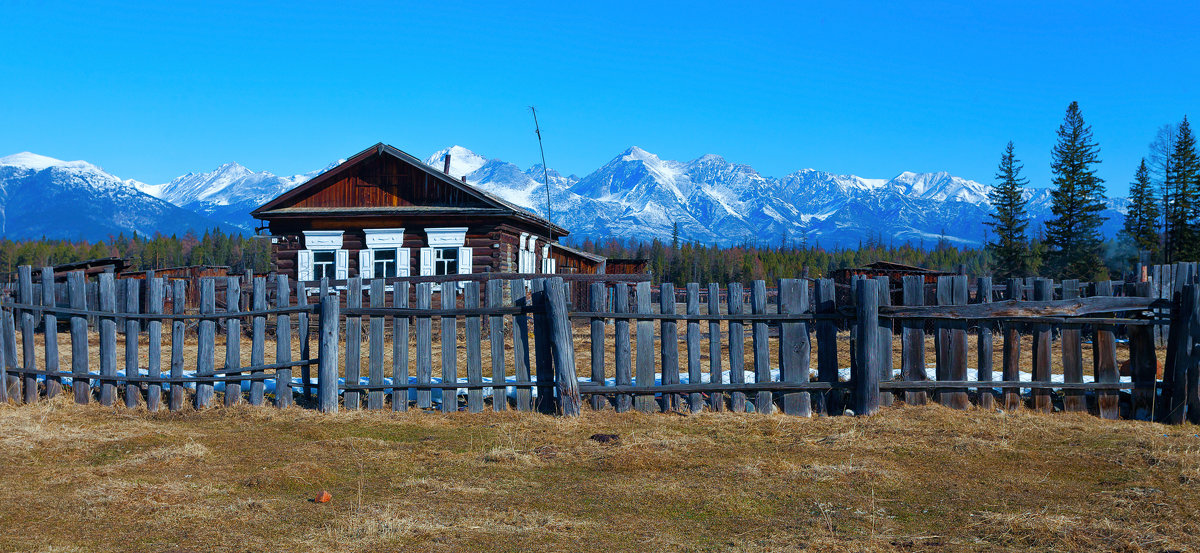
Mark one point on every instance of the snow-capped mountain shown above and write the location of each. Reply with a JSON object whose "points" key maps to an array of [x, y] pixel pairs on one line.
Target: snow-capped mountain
{"points": [[635, 195], [227, 193], [638, 195], [46, 197]]}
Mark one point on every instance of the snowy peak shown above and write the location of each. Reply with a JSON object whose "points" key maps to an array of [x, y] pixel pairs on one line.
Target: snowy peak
{"points": [[941, 186], [35, 162], [462, 161]]}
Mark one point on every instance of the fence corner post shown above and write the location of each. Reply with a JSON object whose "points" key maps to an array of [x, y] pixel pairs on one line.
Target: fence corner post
{"points": [[565, 379], [865, 373], [327, 355]]}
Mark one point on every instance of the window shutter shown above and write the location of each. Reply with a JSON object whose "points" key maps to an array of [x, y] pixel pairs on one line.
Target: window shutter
{"points": [[426, 261], [341, 262], [464, 261], [403, 262], [366, 263], [304, 265]]}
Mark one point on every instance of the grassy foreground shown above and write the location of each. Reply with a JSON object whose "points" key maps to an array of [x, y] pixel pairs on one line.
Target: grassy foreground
{"points": [[912, 478]]}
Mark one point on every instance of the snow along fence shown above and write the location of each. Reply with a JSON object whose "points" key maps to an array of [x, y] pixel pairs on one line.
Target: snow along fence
{"points": [[529, 333]]}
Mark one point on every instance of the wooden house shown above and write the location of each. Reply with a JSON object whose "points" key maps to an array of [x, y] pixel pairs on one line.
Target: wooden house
{"points": [[384, 213]]}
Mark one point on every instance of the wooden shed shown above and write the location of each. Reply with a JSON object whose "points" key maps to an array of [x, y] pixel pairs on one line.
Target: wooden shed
{"points": [[384, 213]]}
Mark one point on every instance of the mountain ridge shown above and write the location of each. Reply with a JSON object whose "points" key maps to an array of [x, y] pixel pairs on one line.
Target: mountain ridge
{"points": [[638, 195]]}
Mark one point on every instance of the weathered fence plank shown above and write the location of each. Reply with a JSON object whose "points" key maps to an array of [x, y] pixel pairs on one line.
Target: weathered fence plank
{"points": [[258, 339], [283, 343], [400, 291], [622, 357], [1043, 290], [50, 324], [327, 354], [354, 293], [737, 345], [865, 377], [132, 330], [1011, 355], [958, 399], [233, 340], [912, 337], [1104, 361], [154, 290], [883, 284], [378, 298], [794, 347], [563, 348], [597, 297], [108, 339], [206, 342], [764, 400], [543, 359], [716, 400], [645, 349], [449, 339], [302, 339], [827, 359], [984, 347], [424, 346], [523, 392], [178, 326], [1072, 354], [669, 344], [28, 336], [80, 384], [473, 334], [695, 400], [941, 339]]}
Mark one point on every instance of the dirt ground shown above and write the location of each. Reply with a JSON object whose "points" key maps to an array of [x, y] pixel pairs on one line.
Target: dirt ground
{"points": [[87, 478]]}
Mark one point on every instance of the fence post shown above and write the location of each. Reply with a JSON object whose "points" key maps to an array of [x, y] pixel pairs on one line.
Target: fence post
{"points": [[866, 371], [327, 355], [28, 343], [50, 326], [565, 379]]}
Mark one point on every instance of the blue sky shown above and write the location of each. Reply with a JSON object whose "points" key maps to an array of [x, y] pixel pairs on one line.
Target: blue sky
{"points": [[853, 87]]}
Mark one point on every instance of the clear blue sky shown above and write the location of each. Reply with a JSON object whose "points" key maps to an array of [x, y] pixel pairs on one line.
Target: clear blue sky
{"points": [[858, 87]]}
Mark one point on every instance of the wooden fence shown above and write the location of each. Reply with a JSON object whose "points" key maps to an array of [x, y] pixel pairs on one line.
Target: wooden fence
{"points": [[688, 357]]}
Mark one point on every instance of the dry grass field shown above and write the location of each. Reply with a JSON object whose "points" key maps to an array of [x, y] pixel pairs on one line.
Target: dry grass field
{"points": [[88, 478]]}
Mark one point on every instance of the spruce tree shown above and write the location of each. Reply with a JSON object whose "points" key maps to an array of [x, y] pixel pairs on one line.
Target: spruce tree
{"points": [[1182, 193], [1141, 223], [1010, 250], [1073, 233]]}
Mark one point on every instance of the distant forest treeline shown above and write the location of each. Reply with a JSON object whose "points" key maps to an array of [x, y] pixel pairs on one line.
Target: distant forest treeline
{"points": [[690, 262], [214, 247], [674, 261]]}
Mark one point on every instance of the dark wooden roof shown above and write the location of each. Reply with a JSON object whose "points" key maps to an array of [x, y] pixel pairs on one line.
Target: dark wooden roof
{"points": [[489, 205]]}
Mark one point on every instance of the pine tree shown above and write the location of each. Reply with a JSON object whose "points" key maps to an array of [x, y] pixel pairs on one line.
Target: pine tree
{"points": [[1181, 197], [1010, 250], [1141, 223], [1073, 233]]}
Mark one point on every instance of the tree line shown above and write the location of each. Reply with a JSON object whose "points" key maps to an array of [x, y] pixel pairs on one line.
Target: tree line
{"points": [[214, 247], [1162, 224]]}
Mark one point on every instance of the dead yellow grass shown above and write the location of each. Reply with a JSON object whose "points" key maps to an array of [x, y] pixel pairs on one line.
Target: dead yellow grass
{"points": [[87, 478]]}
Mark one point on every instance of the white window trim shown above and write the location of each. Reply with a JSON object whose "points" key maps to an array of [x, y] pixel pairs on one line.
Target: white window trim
{"points": [[446, 237], [322, 240], [379, 238]]}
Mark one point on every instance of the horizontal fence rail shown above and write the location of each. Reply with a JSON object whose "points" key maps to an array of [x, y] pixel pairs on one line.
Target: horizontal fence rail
{"points": [[560, 344]]}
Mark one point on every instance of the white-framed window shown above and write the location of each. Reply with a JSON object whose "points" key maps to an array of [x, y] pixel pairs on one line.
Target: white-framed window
{"points": [[322, 256], [527, 254], [384, 255], [445, 252]]}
